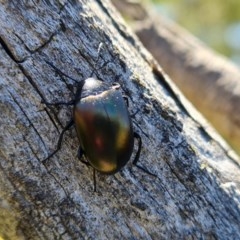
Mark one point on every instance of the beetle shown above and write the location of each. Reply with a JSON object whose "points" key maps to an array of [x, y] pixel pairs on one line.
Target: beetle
{"points": [[103, 125]]}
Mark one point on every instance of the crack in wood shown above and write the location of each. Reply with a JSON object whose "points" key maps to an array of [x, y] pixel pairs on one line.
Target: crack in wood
{"points": [[7, 49], [123, 32], [28, 119], [170, 88]]}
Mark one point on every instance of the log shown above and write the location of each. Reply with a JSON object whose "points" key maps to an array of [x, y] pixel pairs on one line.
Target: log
{"points": [[193, 191], [208, 80]]}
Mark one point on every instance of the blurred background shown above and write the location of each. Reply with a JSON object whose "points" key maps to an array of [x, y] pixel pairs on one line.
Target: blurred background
{"points": [[207, 74], [215, 22]]}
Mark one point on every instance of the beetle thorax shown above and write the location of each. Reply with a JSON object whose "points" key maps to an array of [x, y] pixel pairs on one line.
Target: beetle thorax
{"points": [[93, 87]]}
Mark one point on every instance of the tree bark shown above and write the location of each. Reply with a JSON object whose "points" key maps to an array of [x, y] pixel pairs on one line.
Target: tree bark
{"points": [[195, 193], [207, 79]]}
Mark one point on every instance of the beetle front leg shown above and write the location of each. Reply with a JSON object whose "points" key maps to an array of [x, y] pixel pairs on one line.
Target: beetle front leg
{"points": [[59, 144], [136, 135], [127, 103]]}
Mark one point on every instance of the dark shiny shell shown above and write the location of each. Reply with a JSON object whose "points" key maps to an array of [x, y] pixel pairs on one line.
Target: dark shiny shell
{"points": [[103, 126]]}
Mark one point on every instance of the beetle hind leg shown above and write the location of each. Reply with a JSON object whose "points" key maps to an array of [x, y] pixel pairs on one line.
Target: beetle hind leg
{"points": [[94, 180], [80, 155], [135, 161]]}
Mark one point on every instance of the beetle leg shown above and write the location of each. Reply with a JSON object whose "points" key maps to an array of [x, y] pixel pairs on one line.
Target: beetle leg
{"points": [[133, 115], [72, 102], [126, 100], [136, 135], [127, 103], [80, 155], [94, 180], [70, 124]]}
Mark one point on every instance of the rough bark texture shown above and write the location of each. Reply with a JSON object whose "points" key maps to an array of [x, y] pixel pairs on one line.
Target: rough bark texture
{"points": [[207, 79], [195, 194]]}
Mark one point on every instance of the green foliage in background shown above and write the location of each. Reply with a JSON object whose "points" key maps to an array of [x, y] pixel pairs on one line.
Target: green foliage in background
{"points": [[216, 22]]}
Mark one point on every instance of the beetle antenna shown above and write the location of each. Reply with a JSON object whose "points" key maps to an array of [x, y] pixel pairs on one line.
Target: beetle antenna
{"points": [[98, 56], [60, 72], [100, 47]]}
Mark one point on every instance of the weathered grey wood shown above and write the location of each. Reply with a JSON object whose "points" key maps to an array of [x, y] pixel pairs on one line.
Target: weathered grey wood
{"points": [[196, 192], [207, 79]]}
